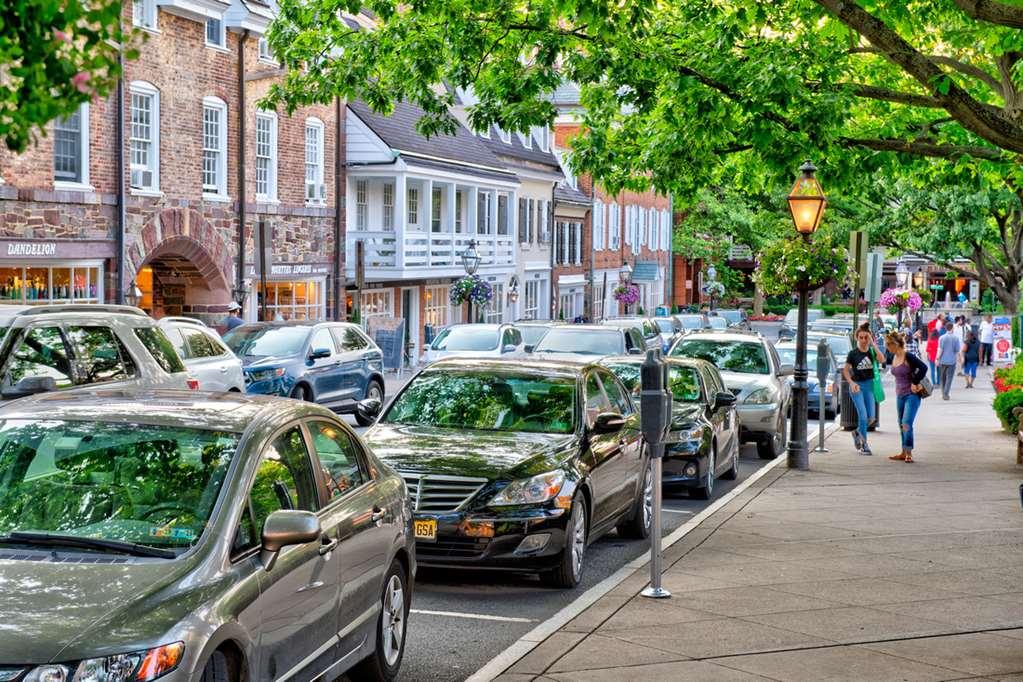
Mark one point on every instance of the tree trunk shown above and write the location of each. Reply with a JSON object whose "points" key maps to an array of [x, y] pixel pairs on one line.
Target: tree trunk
{"points": [[758, 300], [1008, 297]]}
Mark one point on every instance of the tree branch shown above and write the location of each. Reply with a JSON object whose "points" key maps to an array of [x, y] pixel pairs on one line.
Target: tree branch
{"points": [[970, 70], [993, 12], [731, 94], [886, 95], [922, 148]]}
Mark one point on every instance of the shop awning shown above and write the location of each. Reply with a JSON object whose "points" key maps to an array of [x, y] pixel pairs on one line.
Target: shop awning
{"points": [[645, 271]]}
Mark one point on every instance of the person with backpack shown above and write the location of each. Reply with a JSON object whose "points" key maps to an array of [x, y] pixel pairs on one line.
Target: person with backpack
{"points": [[860, 372], [971, 358], [909, 371]]}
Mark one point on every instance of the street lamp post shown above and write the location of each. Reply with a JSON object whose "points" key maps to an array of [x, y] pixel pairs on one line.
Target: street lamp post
{"points": [[806, 203], [626, 276], [471, 263], [902, 282]]}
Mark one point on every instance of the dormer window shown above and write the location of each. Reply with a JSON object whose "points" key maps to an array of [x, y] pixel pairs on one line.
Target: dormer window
{"points": [[527, 140], [504, 135], [543, 137]]}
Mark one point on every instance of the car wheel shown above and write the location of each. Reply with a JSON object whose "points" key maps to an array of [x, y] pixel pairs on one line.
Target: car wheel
{"points": [[217, 669], [773, 445], [733, 471], [706, 490], [300, 392], [570, 568], [373, 392], [638, 524], [383, 664]]}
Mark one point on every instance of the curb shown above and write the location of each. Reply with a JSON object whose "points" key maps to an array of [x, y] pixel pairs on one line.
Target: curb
{"points": [[532, 639]]}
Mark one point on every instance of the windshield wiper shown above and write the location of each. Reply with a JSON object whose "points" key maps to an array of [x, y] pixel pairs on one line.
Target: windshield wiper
{"points": [[57, 539]]}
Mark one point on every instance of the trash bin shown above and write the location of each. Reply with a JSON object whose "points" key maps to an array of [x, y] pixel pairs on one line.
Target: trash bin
{"points": [[848, 414]]}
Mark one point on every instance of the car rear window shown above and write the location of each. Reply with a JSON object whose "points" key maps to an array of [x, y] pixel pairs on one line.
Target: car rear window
{"points": [[731, 356], [160, 347]]}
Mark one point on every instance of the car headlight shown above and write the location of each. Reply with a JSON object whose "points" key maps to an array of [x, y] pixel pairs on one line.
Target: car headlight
{"points": [[267, 374], [690, 433], [140, 666], [761, 396], [533, 490]]}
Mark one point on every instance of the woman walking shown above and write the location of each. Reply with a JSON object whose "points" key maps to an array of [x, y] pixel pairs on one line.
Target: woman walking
{"points": [[971, 358], [932, 354], [859, 372], [908, 371]]}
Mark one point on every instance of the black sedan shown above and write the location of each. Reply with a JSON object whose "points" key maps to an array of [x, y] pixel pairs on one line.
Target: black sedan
{"points": [[703, 443], [517, 464]]}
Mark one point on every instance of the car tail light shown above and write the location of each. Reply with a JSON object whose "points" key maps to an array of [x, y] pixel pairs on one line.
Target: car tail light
{"points": [[193, 384]]}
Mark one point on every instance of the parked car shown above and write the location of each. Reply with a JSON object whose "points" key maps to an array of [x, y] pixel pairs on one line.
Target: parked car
{"points": [[206, 357], [517, 464], [592, 339], [752, 371], [533, 330], [717, 323], [738, 319], [57, 347], [331, 363], [476, 340], [791, 322], [837, 324], [647, 328], [840, 343], [833, 385], [703, 443], [197, 537], [670, 328], [693, 321]]}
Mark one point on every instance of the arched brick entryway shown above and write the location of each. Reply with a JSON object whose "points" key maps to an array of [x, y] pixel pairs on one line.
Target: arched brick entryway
{"points": [[184, 263]]}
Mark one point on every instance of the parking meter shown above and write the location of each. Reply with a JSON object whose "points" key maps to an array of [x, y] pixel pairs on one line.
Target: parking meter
{"points": [[655, 409], [823, 372]]}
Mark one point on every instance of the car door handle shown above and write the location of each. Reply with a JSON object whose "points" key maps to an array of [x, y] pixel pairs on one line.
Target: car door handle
{"points": [[378, 515], [223, 370], [327, 545]]}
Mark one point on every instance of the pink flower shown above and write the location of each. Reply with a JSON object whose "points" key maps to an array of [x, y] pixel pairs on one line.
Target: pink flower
{"points": [[61, 36], [81, 81]]}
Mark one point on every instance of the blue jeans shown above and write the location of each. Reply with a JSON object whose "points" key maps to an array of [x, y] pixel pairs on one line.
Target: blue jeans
{"points": [[935, 380], [908, 405], [970, 368], [864, 403]]}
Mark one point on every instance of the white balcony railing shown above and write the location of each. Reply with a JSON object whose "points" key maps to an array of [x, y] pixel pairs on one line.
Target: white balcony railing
{"points": [[391, 251]]}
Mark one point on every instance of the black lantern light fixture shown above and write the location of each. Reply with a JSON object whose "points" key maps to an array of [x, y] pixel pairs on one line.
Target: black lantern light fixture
{"points": [[471, 258], [807, 201], [133, 296]]}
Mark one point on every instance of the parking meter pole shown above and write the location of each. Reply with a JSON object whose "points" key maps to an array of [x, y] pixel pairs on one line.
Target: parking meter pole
{"points": [[823, 370], [655, 409]]}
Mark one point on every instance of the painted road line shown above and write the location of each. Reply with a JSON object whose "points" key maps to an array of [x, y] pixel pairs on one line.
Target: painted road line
{"points": [[534, 637], [473, 616]]}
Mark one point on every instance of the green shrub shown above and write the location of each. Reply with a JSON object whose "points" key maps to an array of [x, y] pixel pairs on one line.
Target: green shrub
{"points": [[831, 309], [1004, 404]]}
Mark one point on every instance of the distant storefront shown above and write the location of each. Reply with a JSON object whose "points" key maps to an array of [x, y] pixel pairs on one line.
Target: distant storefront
{"points": [[57, 271], [294, 291]]}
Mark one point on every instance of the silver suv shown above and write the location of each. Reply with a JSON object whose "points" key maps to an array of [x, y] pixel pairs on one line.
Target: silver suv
{"points": [[205, 356], [752, 371], [55, 347]]}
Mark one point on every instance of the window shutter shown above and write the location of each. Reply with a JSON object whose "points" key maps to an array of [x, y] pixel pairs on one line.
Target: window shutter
{"points": [[522, 220], [532, 222]]}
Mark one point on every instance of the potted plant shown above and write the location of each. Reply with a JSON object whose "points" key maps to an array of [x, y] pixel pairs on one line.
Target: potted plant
{"points": [[787, 264]]}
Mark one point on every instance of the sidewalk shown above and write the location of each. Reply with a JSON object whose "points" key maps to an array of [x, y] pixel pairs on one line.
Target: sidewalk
{"points": [[861, 569]]}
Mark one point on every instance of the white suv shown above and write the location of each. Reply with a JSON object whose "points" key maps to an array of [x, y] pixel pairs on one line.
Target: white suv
{"points": [[55, 347], [207, 358]]}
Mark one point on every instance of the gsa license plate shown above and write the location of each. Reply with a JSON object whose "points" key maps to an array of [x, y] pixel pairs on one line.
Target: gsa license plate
{"points": [[425, 529]]}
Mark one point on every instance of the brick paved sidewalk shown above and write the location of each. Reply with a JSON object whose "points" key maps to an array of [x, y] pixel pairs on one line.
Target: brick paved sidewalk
{"points": [[861, 569]]}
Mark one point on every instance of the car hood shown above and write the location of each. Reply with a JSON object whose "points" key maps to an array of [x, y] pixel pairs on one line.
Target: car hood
{"points": [[484, 454], [743, 384], [256, 361], [46, 605]]}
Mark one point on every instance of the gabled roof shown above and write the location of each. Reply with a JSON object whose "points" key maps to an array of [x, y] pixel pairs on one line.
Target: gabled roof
{"points": [[566, 193]]}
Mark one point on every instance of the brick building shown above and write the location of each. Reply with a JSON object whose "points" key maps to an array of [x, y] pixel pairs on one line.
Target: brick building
{"points": [[74, 226]]}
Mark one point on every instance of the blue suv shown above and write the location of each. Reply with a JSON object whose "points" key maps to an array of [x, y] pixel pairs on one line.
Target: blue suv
{"points": [[331, 363]]}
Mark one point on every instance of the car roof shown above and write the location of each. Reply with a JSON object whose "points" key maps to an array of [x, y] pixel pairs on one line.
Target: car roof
{"points": [[640, 359], [10, 313], [717, 335], [295, 323], [567, 365], [232, 412], [589, 327], [478, 325]]}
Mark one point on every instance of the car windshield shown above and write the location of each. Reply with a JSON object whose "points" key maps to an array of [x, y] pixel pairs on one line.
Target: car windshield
{"points": [[666, 326], [266, 341], [486, 401], [584, 341], [684, 382], [718, 323], [787, 355], [733, 316], [129, 482], [531, 334], [469, 337], [691, 321], [744, 357]]}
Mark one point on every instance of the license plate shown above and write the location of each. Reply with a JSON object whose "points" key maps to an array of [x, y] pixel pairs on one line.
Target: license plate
{"points": [[425, 529]]}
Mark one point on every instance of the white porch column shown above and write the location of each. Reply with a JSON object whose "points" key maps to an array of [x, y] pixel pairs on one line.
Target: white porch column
{"points": [[450, 197], [426, 219], [493, 226], [400, 218], [472, 211]]}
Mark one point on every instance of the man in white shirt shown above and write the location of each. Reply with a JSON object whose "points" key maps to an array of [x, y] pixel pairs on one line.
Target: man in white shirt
{"points": [[987, 340], [959, 331]]}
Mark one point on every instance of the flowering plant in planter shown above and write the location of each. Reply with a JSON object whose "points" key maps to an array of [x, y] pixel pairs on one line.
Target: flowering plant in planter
{"points": [[787, 263], [471, 288], [894, 300], [626, 294]]}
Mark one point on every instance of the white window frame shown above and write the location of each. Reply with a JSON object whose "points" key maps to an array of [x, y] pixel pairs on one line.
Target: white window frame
{"points": [[494, 311], [412, 204], [375, 303], [459, 211], [437, 209], [543, 137], [527, 139], [263, 52], [218, 190], [144, 14], [361, 204], [616, 226], [545, 221], [270, 195], [485, 133], [387, 218], [319, 194], [82, 183], [437, 307], [531, 300], [598, 225], [221, 43], [144, 89], [504, 135]]}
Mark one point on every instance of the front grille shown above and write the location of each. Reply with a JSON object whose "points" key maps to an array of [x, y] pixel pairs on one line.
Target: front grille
{"points": [[439, 494], [452, 548]]}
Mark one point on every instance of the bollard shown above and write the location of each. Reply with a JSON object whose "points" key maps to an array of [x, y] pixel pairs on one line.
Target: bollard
{"points": [[655, 408]]}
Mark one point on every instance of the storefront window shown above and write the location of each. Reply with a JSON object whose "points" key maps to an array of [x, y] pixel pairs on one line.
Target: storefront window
{"points": [[51, 284], [377, 303], [297, 300], [495, 309], [531, 306], [437, 305]]}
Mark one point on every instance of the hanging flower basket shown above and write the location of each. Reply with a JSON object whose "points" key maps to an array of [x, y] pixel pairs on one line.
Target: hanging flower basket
{"points": [[626, 294], [473, 289], [894, 300], [787, 263]]}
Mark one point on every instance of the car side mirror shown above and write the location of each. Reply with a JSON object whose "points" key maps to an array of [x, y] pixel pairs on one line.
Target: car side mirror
{"points": [[30, 386], [317, 353], [528, 348], [608, 422], [368, 409], [635, 351], [509, 348], [286, 527], [723, 399], [786, 371]]}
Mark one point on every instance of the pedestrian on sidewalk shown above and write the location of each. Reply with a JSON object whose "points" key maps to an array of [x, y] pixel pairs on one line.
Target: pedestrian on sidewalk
{"points": [[948, 352], [908, 371], [959, 328], [971, 358], [987, 340], [859, 372], [932, 355]]}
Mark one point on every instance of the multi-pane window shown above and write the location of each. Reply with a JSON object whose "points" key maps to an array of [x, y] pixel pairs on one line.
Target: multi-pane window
{"points": [[214, 146], [543, 137], [531, 303], [598, 226], [437, 306], [502, 214], [143, 13], [531, 223], [297, 300], [495, 308], [361, 205], [266, 157], [435, 209], [144, 140], [315, 190], [598, 302], [615, 226], [215, 32], [545, 221], [459, 211], [388, 206], [412, 204], [71, 147], [263, 51], [483, 204], [523, 210], [376, 303]]}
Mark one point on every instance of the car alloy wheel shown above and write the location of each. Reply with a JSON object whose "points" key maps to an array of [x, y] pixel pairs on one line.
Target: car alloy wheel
{"points": [[374, 392], [708, 481], [578, 540], [392, 625]]}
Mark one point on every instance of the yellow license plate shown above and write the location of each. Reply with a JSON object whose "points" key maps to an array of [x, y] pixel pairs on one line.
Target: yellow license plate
{"points": [[425, 529]]}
